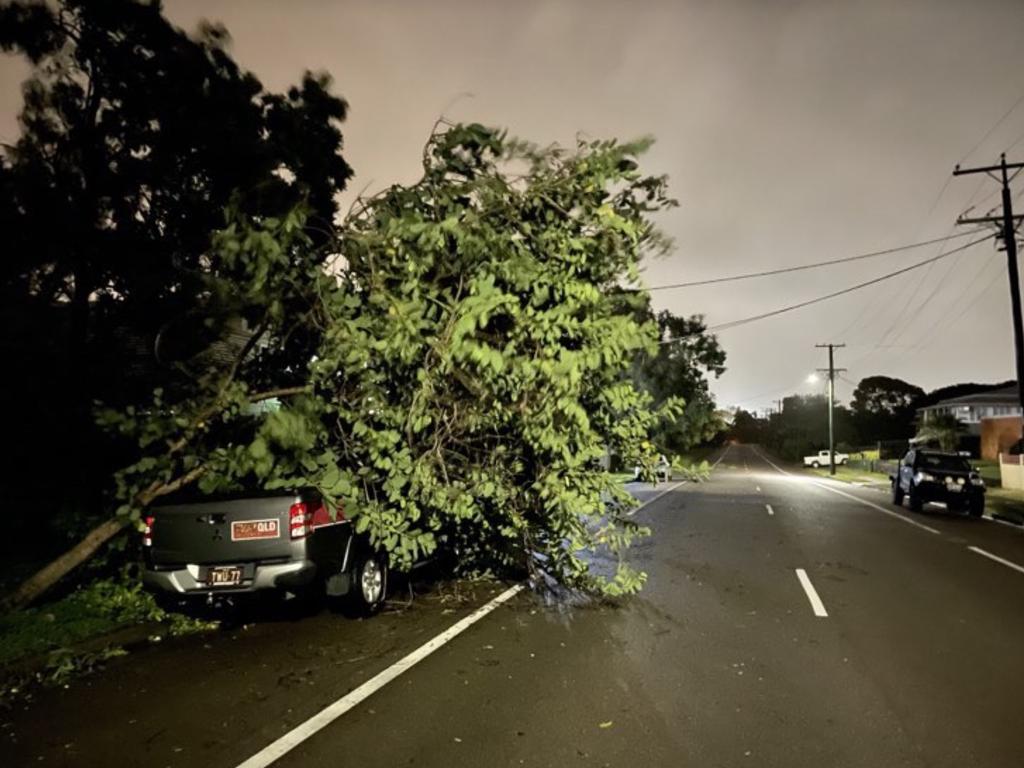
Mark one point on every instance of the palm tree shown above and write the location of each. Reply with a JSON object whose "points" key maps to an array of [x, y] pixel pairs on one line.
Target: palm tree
{"points": [[944, 429]]}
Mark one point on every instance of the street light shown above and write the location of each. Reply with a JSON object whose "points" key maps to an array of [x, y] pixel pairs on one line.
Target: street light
{"points": [[813, 379]]}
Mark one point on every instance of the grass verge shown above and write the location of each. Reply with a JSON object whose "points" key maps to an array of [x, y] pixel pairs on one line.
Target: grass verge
{"points": [[54, 642]]}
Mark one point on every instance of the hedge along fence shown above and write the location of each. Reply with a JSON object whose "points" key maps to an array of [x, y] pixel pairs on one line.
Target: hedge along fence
{"points": [[874, 465]]}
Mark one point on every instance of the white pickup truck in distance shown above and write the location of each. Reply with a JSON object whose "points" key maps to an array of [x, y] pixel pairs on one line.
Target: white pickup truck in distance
{"points": [[820, 459]]}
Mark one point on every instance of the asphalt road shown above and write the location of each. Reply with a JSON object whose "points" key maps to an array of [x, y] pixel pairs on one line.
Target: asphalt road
{"points": [[722, 661]]}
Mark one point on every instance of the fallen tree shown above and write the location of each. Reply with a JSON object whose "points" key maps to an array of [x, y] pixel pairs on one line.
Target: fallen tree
{"points": [[457, 374]]}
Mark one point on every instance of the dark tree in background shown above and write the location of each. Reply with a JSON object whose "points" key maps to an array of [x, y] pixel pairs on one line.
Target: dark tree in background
{"points": [[884, 408], [802, 427], [135, 136], [681, 368], [746, 427]]}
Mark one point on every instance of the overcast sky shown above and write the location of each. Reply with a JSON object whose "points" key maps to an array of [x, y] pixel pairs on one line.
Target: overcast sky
{"points": [[792, 132]]}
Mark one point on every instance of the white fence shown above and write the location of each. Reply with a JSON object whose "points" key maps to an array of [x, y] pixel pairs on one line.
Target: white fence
{"points": [[1011, 470]]}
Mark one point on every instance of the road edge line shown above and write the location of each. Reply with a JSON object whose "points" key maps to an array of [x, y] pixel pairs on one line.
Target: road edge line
{"points": [[722, 456], [996, 558], [655, 498], [280, 747], [865, 502]]}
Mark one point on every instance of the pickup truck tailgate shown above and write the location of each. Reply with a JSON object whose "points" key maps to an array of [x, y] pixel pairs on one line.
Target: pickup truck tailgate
{"points": [[222, 531]]}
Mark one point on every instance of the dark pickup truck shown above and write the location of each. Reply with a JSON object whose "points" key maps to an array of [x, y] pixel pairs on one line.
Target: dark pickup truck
{"points": [[212, 548], [925, 475]]}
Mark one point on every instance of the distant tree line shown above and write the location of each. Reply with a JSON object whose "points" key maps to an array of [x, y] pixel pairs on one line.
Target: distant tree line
{"points": [[883, 409]]}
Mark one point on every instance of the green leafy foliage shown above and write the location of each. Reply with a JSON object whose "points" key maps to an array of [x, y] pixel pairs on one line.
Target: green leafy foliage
{"points": [[476, 365], [97, 608], [684, 360], [468, 362]]}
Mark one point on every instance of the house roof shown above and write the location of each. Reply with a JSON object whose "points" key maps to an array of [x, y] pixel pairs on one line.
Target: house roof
{"points": [[1002, 396]]}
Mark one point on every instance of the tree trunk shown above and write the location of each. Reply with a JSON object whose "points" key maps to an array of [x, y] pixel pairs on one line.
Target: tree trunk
{"points": [[49, 575]]}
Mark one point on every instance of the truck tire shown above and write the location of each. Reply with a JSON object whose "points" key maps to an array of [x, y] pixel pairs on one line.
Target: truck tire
{"points": [[897, 494], [815, 464], [976, 507], [369, 583], [916, 504]]}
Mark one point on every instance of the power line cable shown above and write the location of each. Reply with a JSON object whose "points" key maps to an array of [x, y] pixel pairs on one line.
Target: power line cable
{"points": [[991, 130], [1016, 141], [802, 267], [933, 334], [834, 294], [905, 305], [941, 283]]}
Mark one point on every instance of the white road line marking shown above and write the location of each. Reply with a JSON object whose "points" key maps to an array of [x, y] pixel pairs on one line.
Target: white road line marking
{"points": [[812, 595], [866, 503], [770, 510], [722, 456], [652, 500], [1001, 522], [777, 467], [332, 712], [758, 488], [883, 510], [990, 556]]}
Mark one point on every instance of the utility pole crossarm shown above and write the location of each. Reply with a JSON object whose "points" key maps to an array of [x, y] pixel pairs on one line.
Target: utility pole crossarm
{"points": [[986, 219], [958, 171]]}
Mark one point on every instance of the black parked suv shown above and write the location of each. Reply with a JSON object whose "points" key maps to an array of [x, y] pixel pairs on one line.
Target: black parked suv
{"points": [[925, 475]]}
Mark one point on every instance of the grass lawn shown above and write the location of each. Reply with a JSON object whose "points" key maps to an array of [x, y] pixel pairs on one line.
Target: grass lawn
{"points": [[93, 611], [851, 475], [989, 471]]}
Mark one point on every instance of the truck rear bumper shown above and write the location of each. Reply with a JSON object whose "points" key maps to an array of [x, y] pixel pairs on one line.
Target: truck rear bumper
{"points": [[188, 581]]}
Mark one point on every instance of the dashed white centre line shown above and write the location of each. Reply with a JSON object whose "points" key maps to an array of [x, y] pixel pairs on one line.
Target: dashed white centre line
{"points": [[997, 558], [812, 595], [770, 510]]}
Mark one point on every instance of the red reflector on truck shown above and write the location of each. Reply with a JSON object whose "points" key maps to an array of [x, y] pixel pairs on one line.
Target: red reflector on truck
{"points": [[147, 532], [300, 520]]}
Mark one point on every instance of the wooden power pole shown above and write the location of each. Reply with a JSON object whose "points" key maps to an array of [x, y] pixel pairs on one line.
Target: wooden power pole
{"points": [[1008, 223], [831, 401]]}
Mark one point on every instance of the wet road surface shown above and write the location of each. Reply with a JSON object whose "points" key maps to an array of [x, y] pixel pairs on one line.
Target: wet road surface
{"points": [[787, 621]]}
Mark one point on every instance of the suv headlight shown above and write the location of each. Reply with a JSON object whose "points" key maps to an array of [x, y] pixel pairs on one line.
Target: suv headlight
{"points": [[976, 480], [924, 477]]}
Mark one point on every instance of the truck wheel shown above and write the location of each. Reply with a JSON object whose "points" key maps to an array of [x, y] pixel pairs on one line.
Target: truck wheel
{"points": [[369, 583], [916, 504], [976, 507], [815, 464], [897, 494]]}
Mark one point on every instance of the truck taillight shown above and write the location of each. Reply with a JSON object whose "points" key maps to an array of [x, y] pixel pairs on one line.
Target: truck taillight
{"points": [[300, 520], [147, 532]]}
